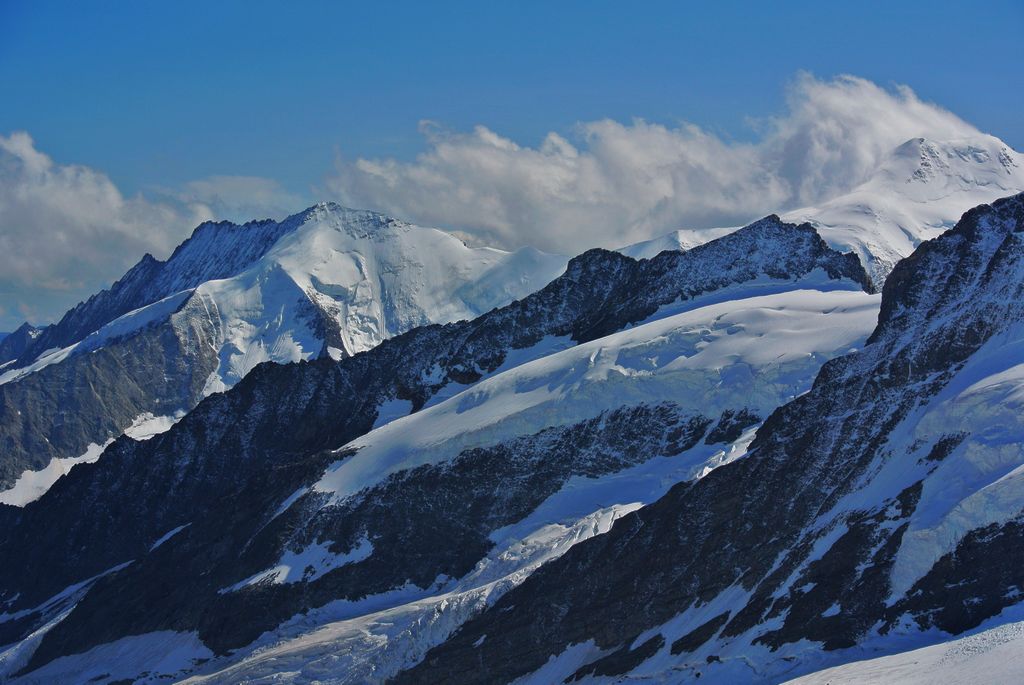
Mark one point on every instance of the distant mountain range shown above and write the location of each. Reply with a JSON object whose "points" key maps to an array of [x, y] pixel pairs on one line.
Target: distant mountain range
{"points": [[342, 448], [326, 282]]}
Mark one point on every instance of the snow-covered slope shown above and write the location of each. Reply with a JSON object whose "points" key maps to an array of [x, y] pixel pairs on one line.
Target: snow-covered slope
{"points": [[251, 527], [681, 239], [881, 508], [742, 356], [748, 352], [346, 280], [33, 484], [328, 281], [988, 657]]}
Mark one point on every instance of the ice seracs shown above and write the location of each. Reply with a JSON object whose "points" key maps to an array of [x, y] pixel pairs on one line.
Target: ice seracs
{"points": [[879, 509]]}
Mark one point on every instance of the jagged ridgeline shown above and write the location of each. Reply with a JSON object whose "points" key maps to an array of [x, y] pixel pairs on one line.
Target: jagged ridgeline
{"points": [[328, 281], [884, 502], [261, 504], [332, 281]]}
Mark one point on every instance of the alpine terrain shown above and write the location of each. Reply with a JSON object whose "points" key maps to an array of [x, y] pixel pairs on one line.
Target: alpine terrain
{"points": [[342, 448], [328, 282]]}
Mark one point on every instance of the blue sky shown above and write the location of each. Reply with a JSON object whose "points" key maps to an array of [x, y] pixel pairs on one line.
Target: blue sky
{"points": [[162, 93], [561, 125]]}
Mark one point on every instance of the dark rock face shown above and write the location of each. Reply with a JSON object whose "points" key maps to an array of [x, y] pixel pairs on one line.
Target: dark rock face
{"points": [[90, 397], [238, 455], [977, 580], [101, 388], [13, 345], [620, 661], [731, 426], [750, 523], [699, 635], [60, 409], [430, 521], [872, 538]]}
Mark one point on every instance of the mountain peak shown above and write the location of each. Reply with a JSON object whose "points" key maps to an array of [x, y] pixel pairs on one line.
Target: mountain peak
{"points": [[918, 192], [359, 223], [978, 161]]}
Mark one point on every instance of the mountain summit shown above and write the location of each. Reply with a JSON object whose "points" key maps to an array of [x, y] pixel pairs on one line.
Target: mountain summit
{"points": [[919, 191], [392, 474], [328, 281]]}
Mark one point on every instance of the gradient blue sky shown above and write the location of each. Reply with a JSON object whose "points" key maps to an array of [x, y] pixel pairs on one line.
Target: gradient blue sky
{"points": [[156, 94]]}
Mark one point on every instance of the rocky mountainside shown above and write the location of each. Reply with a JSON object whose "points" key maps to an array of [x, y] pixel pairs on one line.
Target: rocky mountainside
{"points": [[278, 498], [882, 506], [326, 282], [14, 344], [215, 250], [332, 281]]}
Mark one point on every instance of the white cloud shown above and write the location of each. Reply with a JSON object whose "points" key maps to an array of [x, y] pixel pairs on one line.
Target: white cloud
{"points": [[241, 198], [67, 231], [621, 183]]}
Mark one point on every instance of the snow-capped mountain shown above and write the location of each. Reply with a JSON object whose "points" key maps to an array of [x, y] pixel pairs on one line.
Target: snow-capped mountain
{"points": [[637, 411], [328, 281], [336, 281], [880, 510], [919, 191], [735, 462], [916, 194], [301, 491], [681, 239]]}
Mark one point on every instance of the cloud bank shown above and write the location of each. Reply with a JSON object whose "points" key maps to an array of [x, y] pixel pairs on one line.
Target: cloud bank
{"points": [[67, 231], [618, 183], [240, 198]]}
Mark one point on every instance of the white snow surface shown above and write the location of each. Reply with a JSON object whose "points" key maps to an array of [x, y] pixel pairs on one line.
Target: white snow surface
{"points": [[374, 277], [141, 659], [991, 657], [31, 485], [754, 352], [682, 239], [918, 193], [982, 481]]}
